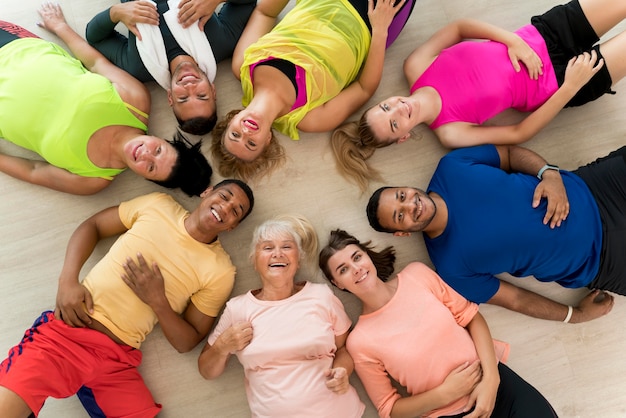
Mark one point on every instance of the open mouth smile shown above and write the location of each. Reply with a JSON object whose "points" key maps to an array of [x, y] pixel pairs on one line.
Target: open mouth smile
{"points": [[216, 215]]}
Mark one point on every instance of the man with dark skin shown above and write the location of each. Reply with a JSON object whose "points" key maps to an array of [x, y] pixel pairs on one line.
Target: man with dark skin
{"points": [[504, 209], [167, 266]]}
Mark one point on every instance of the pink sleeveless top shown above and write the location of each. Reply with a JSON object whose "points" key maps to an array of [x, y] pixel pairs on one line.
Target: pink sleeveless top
{"points": [[487, 83]]}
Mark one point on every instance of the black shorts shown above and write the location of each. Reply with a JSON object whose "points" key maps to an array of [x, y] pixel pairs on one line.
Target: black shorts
{"points": [[606, 178], [568, 33]]}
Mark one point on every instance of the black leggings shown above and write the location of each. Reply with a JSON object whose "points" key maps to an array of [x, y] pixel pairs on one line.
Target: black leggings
{"points": [[517, 398]]}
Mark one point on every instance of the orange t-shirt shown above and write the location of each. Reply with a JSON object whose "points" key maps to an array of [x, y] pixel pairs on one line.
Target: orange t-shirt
{"points": [[423, 329]]}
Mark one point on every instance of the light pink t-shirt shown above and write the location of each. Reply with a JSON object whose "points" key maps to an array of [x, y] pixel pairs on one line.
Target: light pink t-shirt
{"points": [[418, 337], [293, 344], [476, 80]]}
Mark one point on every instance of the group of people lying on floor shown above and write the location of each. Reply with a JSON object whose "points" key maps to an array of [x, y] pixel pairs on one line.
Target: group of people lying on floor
{"points": [[491, 205]]}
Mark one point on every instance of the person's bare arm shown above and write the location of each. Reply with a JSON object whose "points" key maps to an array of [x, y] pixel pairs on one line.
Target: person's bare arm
{"points": [[261, 21], [44, 174], [73, 299], [462, 29], [338, 376], [183, 332], [483, 397], [592, 306], [579, 71], [130, 89], [192, 11], [335, 111], [517, 159], [213, 359], [460, 382]]}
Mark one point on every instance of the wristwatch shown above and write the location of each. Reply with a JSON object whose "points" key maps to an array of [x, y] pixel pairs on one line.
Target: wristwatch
{"points": [[544, 168]]}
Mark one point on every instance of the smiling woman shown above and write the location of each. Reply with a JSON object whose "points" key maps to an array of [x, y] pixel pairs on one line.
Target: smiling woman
{"points": [[425, 325], [300, 368], [312, 70], [86, 138]]}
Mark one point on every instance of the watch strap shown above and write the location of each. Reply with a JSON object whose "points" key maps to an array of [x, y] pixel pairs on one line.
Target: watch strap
{"points": [[544, 168]]}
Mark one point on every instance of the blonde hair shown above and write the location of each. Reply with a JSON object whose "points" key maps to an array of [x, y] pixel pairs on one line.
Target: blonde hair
{"points": [[353, 143], [296, 226], [271, 158]]}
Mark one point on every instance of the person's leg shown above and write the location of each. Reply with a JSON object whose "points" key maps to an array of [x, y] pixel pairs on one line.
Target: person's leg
{"points": [[517, 398], [603, 15], [605, 179], [11, 405], [48, 362], [119, 390], [614, 53]]}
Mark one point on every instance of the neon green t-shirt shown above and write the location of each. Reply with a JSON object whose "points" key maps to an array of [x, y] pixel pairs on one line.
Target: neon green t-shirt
{"points": [[327, 38], [51, 104]]}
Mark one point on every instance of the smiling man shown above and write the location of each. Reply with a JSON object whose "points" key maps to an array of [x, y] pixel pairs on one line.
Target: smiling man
{"points": [[504, 209], [168, 47], [94, 334]]}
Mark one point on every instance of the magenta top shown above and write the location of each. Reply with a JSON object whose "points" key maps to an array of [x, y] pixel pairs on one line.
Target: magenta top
{"points": [[476, 80]]}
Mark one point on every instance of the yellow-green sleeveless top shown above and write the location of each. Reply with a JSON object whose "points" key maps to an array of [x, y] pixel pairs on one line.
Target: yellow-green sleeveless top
{"points": [[327, 38], [51, 104]]}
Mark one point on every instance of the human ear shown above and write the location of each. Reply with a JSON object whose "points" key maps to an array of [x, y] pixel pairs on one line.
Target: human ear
{"points": [[403, 138], [206, 191], [401, 234]]}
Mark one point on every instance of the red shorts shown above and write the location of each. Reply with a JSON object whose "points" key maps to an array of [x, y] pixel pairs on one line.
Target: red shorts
{"points": [[56, 360]]}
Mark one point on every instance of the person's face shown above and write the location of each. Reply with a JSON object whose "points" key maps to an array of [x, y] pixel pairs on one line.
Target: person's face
{"points": [[223, 208], [277, 257], [150, 157], [352, 269], [191, 94], [391, 120], [405, 209], [247, 135]]}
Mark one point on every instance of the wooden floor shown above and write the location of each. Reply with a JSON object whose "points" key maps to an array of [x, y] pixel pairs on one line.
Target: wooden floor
{"points": [[579, 368]]}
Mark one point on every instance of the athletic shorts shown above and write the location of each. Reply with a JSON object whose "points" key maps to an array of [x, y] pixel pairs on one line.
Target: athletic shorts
{"points": [[606, 178], [10, 32], [54, 359], [568, 33]]}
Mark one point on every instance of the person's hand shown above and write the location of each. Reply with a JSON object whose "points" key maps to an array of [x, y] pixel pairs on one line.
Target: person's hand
{"points": [[235, 338], [73, 303], [337, 380], [482, 399], [596, 304], [52, 18], [133, 12], [147, 282], [580, 70], [382, 15], [192, 11], [552, 189], [461, 381], [519, 50]]}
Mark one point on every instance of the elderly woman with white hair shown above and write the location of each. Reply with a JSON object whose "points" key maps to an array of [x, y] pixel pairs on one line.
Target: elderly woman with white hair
{"points": [[289, 335]]}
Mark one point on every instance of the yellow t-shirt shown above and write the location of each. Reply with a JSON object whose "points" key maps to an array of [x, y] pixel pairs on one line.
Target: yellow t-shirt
{"points": [[192, 270], [327, 38]]}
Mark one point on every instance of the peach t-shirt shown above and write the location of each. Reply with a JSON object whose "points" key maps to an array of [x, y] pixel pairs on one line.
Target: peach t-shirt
{"points": [[418, 337], [293, 344]]}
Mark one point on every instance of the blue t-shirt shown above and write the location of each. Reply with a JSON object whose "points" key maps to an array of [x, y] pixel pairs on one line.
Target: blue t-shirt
{"points": [[492, 227]]}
